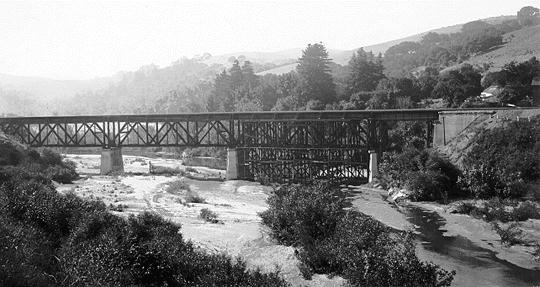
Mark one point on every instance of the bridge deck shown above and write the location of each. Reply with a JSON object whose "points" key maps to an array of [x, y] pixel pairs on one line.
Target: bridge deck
{"points": [[298, 145]]}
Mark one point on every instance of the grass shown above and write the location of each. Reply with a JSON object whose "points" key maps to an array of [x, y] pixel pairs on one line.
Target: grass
{"points": [[209, 216]]}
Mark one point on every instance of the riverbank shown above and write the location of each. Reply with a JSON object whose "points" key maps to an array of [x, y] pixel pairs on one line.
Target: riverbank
{"points": [[474, 264], [482, 234]]}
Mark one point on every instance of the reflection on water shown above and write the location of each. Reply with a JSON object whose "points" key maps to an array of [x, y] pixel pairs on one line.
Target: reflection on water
{"points": [[475, 266]]}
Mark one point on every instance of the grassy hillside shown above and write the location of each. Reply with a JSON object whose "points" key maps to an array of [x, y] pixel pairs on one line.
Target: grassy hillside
{"points": [[520, 46]]}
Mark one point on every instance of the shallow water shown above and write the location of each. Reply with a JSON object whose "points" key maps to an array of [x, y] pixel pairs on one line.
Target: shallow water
{"points": [[475, 266]]}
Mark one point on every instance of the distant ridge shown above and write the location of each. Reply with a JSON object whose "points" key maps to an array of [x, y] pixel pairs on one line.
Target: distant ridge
{"points": [[342, 56]]}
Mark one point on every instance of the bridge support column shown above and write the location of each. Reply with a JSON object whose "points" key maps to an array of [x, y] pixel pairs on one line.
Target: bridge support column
{"points": [[373, 165], [233, 164], [111, 160]]}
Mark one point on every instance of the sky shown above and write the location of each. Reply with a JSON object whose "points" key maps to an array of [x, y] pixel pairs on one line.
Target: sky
{"points": [[87, 39]]}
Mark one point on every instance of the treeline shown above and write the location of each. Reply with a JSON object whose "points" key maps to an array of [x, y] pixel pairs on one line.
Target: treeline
{"points": [[409, 75]]}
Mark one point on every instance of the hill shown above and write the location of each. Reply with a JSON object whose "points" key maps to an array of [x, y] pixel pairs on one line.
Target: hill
{"points": [[342, 56], [519, 46], [50, 89]]}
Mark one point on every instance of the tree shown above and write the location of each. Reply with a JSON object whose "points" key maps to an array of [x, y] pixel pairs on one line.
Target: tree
{"points": [[365, 72], [528, 16], [401, 93], [316, 81], [458, 85]]}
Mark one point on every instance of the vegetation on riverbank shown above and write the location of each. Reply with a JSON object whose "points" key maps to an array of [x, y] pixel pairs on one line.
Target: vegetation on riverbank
{"points": [[332, 240], [50, 239], [497, 180]]}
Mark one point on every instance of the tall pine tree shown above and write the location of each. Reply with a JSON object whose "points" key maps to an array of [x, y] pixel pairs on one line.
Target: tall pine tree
{"points": [[317, 84]]}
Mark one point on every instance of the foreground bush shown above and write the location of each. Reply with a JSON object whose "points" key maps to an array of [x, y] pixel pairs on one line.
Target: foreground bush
{"points": [[350, 244], [49, 239], [424, 172], [504, 160]]}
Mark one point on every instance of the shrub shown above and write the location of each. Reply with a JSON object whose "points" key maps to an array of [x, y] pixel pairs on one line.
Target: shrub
{"points": [[9, 155], [298, 214], [166, 170], [501, 210], [193, 197], [190, 169], [177, 186], [503, 160], [424, 172], [208, 215], [510, 235], [351, 244], [51, 158], [62, 174], [536, 252]]}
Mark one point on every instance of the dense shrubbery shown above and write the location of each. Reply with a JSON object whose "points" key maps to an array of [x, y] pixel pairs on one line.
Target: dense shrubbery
{"points": [[347, 243], [424, 172], [503, 161], [48, 162], [49, 239]]}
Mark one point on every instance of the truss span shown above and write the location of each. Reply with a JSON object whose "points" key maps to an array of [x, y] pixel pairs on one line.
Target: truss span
{"points": [[275, 146]]}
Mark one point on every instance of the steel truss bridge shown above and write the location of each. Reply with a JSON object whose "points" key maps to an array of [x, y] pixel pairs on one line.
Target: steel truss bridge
{"points": [[274, 146]]}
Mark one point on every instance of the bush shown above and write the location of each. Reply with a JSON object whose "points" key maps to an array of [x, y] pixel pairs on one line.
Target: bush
{"points": [[177, 186], [510, 235], [351, 244], [193, 197], [501, 210], [503, 160], [298, 214], [424, 172], [208, 215], [51, 158], [9, 155], [47, 163], [166, 170], [61, 174]]}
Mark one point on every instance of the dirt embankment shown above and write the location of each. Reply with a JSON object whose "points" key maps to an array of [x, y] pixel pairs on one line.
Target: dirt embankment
{"points": [[477, 230], [460, 145]]}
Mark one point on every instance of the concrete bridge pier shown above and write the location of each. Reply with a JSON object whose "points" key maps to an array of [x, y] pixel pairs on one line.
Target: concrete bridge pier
{"points": [[234, 164], [373, 165], [111, 160]]}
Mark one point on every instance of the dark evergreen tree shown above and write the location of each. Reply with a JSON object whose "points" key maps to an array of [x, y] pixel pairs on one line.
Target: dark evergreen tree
{"points": [[316, 81], [365, 72]]}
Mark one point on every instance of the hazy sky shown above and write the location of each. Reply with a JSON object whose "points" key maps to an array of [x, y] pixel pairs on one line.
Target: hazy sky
{"points": [[85, 39]]}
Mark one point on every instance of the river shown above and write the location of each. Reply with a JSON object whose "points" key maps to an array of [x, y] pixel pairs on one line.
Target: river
{"points": [[475, 266]]}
